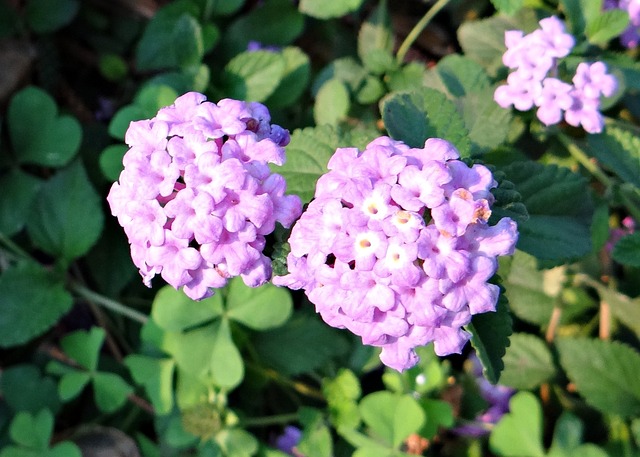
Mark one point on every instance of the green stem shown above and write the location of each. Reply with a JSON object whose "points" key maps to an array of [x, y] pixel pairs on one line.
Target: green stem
{"points": [[417, 30], [584, 160], [16, 250], [269, 420], [108, 303]]}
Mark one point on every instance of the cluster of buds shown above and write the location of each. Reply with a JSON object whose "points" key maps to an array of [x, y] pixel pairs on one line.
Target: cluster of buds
{"points": [[196, 196], [533, 58], [396, 247]]}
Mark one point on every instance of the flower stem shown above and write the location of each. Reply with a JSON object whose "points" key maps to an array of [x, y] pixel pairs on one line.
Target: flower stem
{"points": [[108, 303], [584, 160], [418, 28], [269, 420]]}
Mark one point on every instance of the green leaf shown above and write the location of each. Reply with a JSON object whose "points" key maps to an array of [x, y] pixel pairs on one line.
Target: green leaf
{"points": [[607, 25], [237, 443], [316, 438], [71, 384], [346, 69], [376, 38], [579, 12], [560, 211], [416, 116], [300, 346], [439, 414], [173, 37], [272, 23], [618, 148], [407, 78], [111, 161], [341, 393], [32, 301], [508, 7], [16, 205], [627, 250], [66, 227], [64, 449], [261, 308], [532, 292], [44, 16], [325, 9], [527, 363], [253, 76], [156, 375], [623, 308], [58, 137], [32, 431], [487, 122], [490, 337], [457, 75], [332, 103], [307, 156], [25, 389], [84, 347], [604, 372], [567, 435], [225, 7], [392, 417], [294, 81], [113, 67], [519, 433], [174, 311], [110, 391], [226, 362]]}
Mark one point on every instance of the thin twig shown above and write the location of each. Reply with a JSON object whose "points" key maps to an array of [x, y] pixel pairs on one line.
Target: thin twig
{"points": [[108, 303]]}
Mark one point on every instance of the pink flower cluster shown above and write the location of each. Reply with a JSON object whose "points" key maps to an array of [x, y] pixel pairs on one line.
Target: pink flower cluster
{"points": [[196, 196], [630, 38], [533, 57], [396, 247]]}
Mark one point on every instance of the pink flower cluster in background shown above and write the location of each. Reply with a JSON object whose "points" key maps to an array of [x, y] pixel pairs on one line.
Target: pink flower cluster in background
{"points": [[196, 196], [533, 58], [396, 247], [631, 36]]}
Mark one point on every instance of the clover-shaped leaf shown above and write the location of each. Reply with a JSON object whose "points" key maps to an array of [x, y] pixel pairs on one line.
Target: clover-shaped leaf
{"points": [[58, 137], [519, 433]]}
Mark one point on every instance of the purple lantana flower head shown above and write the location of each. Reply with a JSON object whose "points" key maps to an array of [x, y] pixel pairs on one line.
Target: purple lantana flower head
{"points": [[196, 197], [397, 248], [534, 60]]}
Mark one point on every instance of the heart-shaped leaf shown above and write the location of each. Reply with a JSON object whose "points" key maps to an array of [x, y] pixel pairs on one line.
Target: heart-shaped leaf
{"points": [[58, 137], [519, 433], [261, 308]]}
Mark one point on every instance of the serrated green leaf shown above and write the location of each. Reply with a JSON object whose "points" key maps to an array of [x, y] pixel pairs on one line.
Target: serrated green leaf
{"points": [[272, 23], [618, 148], [605, 373], [627, 250], [32, 431], [560, 211], [416, 116], [66, 227], [110, 391], [84, 347], [488, 123], [58, 137], [16, 205], [391, 417], [32, 301], [457, 75], [299, 346], [261, 308], [325, 9], [156, 375], [253, 76], [173, 311], [490, 337], [294, 81], [508, 7], [332, 103], [527, 362], [519, 433], [532, 292], [607, 25], [307, 156], [71, 384], [45, 16], [24, 388]]}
